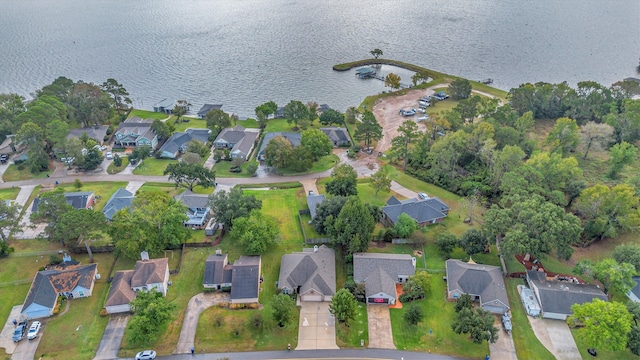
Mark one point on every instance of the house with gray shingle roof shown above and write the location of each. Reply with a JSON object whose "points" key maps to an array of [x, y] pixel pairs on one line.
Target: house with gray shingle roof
{"points": [[135, 131], [634, 293], [312, 202], [338, 136], [206, 108], [179, 142], [72, 281], [149, 274], [243, 277], [311, 274], [423, 211], [121, 199], [380, 273], [238, 140], [96, 133], [293, 138], [80, 199], [198, 210], [164, 106], [484, 283], [556, 297]]}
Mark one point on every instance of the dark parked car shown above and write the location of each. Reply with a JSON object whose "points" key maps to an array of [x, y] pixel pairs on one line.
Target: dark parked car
{"points": [[19, 332]]}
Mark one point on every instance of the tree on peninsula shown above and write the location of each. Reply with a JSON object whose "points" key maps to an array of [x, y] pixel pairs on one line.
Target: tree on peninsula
{"points": [[376, 53], [460, 89], [393, 81]]}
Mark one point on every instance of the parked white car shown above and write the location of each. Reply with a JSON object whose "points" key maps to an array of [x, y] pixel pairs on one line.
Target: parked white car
{"points": [[109, 155], [146, 355], [34, 330]]}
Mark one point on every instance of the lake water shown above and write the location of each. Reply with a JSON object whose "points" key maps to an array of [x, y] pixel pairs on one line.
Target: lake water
{"points": [[242, 53]]}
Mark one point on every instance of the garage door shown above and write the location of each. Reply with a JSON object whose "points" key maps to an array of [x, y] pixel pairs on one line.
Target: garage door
{"points": [[312, 297], [373, 300]]}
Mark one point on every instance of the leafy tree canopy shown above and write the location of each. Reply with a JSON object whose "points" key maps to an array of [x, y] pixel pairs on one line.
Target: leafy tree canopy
{"points": [[228, 206], [606, 325], [256, 233]]}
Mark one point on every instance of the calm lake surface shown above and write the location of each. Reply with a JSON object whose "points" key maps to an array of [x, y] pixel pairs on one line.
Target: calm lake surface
{"points": [[242, 53]]}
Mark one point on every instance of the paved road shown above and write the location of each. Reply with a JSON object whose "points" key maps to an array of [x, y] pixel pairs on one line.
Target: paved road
{"points": [[112, 337], [315, 354], [197, 305]]}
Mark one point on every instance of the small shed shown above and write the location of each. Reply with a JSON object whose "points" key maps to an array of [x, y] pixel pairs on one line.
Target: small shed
{"points": [[529, 302]]}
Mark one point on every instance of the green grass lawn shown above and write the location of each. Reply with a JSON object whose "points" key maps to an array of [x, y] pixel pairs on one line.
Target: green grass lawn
{"points": [[14, 174], [602, 354], [249, 123], [113, 169], [222, 169], [192, 123], [439, 314], [527, 344], [358, 329], [213, 338], [167, 188], [145, 114], [9, 193], [325, 163], [153, 166], [277, 125], [366, 193], [309, 231], [102, 189]]}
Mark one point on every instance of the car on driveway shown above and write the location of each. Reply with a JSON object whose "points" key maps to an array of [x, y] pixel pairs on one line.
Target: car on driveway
{"points": [[423, 196], [109, 155], [4, 158], [146, 355], [34, 330], [18, 333]]}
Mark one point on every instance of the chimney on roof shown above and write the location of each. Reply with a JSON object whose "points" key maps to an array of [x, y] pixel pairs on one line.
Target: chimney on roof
{"points": [[315, 248], [66, 258], [218, 252], [413, 262], [144, 256]]}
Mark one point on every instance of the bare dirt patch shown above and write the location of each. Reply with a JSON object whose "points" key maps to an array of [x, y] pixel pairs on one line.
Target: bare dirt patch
{"points": [[364, 164], [387, 112]]}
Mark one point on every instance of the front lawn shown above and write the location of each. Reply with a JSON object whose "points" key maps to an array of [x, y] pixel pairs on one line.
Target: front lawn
{"points": [[14, 174], [223, 167], [113, 169], [367, 194], [438, 315], [602, 354], [152, 166], [325, 163], [9, 193], [167, 188], [358, 329]]}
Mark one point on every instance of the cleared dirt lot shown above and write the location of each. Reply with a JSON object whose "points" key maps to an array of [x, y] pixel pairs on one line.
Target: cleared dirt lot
{"points": [[387, 112]]}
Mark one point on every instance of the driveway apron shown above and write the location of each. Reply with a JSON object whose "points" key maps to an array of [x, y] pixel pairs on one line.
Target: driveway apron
{"points": [[504, 348], [380, 334], [317, 328]]}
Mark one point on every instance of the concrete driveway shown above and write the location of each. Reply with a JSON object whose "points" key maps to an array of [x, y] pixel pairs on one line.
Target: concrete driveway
{"points": [[317, 328], [112, 337], [380, 334], [504, 348], [26, 349], [6, 335], [556, 337], [197, 305]]}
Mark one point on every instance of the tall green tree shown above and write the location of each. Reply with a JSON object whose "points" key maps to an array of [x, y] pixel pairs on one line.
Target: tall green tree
{"points": [[229, 206], [88, 104], [278, 152], [628, 253], [162, 128], [190, 175], [317, 142], [51, 207], [351, 115], [407, 133], [353, 227], [180, 109], [33, 136], [118, 93], [150, 312], [344, 306], [413, 315], [295, 111], [405, 226], [368, 130], [460, 89], [256, 233], [155, 222], [217, 120], [55, 134], [9, 219], [344, 181], [608, 211], [380, 181], [615, 276], [92, 159], [621, 155], [264, 111], [393, 81], [327, 212], [473, 241], [332, 116], [604, 325], [282, 307], [564, 136], [477, 323], [312, 107]]}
